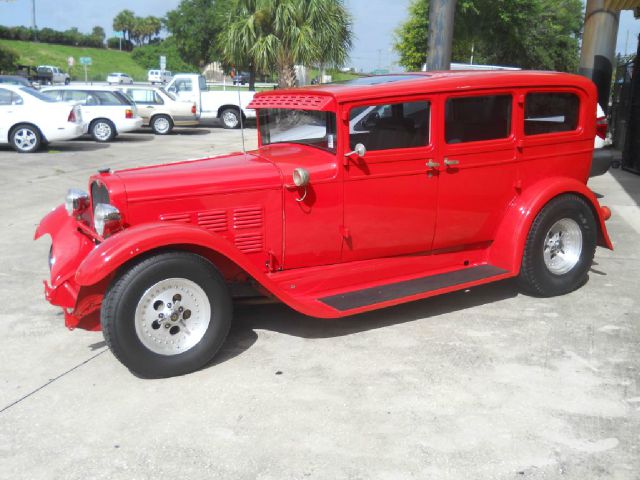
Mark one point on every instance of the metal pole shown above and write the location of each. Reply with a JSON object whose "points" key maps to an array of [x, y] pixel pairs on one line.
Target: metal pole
{"points": [[597, 57], [33, 20], [441, 15]]}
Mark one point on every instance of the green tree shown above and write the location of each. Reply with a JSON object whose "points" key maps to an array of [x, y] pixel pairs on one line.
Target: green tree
{"points": [[125, 21], [533, 34], [8, 59], [278, 34], [148, 56], [196, 26]]}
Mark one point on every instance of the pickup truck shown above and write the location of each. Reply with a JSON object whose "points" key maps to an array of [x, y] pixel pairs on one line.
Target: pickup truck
{"points": [[224, 105], [48, 75]]}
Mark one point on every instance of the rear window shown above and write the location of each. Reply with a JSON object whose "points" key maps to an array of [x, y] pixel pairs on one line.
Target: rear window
{"points": [[550, 113], [472, 119]]}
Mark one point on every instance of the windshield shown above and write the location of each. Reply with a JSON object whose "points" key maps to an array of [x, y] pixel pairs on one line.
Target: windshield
{"points": [[308, 127]]}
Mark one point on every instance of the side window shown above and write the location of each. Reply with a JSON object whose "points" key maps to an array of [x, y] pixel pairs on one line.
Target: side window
{"points": [[75, 96], [550, 113], [142, 96], [6, 97], [202, 82], [53, 95], [157, 99], [396, 125], [471, 119]]}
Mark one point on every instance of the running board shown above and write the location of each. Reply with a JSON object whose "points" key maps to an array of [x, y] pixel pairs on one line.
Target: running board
{"points": [[407, 288]]}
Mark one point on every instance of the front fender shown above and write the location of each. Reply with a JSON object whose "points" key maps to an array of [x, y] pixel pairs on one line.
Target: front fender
{"points": [[510, 240], [128, 244]]}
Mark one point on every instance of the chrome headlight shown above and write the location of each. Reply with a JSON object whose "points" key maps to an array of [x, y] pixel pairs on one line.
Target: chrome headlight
{"points": [[106, 219], [76, 201]]}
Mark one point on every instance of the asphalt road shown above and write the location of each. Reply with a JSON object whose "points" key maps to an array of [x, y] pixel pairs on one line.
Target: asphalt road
{"points": [[481, 384]]}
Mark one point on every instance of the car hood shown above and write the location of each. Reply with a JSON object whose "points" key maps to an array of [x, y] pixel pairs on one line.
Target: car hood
{"points": [[223, 174]]}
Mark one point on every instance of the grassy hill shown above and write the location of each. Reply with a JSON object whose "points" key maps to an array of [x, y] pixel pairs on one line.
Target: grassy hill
{"points": [[104, 61]]}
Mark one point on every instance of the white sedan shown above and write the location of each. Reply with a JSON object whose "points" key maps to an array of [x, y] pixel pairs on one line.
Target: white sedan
{"points": [[29, 119], [106, 111], [119, 78]]}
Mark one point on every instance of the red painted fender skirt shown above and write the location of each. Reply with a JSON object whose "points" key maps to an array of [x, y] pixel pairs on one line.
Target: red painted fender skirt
{"points": [[508, 247]]}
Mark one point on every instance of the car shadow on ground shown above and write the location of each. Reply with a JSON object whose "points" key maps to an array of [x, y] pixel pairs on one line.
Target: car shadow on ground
{"points": [[190, 131], [628, 181], [278, 317], [132, 138]]}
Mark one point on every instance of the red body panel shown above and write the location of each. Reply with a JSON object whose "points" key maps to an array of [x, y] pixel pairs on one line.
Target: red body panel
{"points": [[361, 222]]}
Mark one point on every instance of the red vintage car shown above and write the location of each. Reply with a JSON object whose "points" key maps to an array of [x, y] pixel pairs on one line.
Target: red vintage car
{"points": [[360, 196]]}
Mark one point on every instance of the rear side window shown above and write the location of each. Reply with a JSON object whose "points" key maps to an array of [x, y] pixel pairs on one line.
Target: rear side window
{"points": [[471, 119], [396, 125], [145, 96], [550, 113]]}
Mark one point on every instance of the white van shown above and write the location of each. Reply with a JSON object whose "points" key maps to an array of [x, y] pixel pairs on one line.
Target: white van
{"points": [[159, 76]]}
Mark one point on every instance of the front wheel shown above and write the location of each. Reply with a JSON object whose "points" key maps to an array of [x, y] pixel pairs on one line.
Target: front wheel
{"points": [[161, 124], [167, 315], [560, 247], [67, 81]]}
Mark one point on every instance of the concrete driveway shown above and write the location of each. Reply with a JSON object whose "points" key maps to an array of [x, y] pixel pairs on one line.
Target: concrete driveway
{"points": [[482, 384]]}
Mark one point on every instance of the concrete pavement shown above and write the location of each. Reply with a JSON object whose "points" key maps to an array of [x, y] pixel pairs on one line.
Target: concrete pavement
{"points": [[483, 384]]}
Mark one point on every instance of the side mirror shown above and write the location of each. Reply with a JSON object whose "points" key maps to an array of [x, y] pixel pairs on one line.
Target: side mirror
{"points": [[360, 150], [301, 180]]}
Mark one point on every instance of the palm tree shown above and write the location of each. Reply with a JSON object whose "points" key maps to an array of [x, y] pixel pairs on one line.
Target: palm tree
{"points": [[278, 34]]}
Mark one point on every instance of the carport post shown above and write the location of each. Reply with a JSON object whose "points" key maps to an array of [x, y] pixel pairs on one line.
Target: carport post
{"points": [[597, 58], [441, 15]]}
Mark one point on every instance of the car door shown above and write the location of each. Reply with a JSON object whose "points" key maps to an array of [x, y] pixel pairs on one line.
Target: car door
{"points": [[390, 193], [9, 102], [478, 162], [147, 101]]}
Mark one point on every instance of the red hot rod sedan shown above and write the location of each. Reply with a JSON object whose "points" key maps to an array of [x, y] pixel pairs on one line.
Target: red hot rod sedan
{"points": [[361, 195]]}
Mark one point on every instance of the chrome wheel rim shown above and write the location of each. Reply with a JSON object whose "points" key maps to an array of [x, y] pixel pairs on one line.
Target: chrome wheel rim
{"points": [[161, 125], [562, 246], [172, 316], [102, 131], [25, 139], [230, 119]]}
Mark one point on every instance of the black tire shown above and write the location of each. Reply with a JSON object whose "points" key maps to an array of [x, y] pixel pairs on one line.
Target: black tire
{"points": [[25, 138], [102, 130], [230, 118], [537, 275], [123, 297], [161, 124], [67, 81]]}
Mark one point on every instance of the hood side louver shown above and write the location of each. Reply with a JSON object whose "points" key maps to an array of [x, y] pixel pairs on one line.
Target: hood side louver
{"points": [[176, 217], [214, 220], [248, 217]]}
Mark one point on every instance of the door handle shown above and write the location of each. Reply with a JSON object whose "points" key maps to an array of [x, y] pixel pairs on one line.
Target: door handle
{"points": [[149, 106], [432, 164], [450, 163]]}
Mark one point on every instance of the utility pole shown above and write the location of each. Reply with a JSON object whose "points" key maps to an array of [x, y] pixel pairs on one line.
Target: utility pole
{"points": [[33, 20], [441, 15]]}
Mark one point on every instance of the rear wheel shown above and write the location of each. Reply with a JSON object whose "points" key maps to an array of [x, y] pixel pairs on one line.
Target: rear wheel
{"points": [[25, 138], [167, 315], [102, 130], [230, 118], [161, 124], [560, 247]]}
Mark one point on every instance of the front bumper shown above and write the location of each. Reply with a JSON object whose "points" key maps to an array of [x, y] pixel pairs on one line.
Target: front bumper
{"points": [[69, 247]]}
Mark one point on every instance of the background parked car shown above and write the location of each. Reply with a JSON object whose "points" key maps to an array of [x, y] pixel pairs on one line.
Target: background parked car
{"points": [[241, 78], [15, 80], [119, 78], [106, 111], [161, 110], [48, 75], [159, 76], [29, 119]]}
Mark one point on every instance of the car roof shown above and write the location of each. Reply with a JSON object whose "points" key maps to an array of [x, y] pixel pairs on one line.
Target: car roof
{"points": [[14, 77], [103, 88], [364, 88]]}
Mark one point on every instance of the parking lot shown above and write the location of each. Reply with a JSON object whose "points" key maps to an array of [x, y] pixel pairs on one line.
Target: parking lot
{"points": [[481, 384]]}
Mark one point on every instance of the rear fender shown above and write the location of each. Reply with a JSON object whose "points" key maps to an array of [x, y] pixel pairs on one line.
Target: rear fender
{"points": [[129, 244], [508, 247]]}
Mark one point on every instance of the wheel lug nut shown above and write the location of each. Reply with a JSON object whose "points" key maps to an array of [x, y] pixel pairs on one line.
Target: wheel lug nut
{"points": [[180, 309], [161, 315], [166, 325], [168, 305]]}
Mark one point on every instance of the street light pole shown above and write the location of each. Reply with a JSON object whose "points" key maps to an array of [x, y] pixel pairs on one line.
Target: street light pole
{"points": [[33, 20], [441, 14]]}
